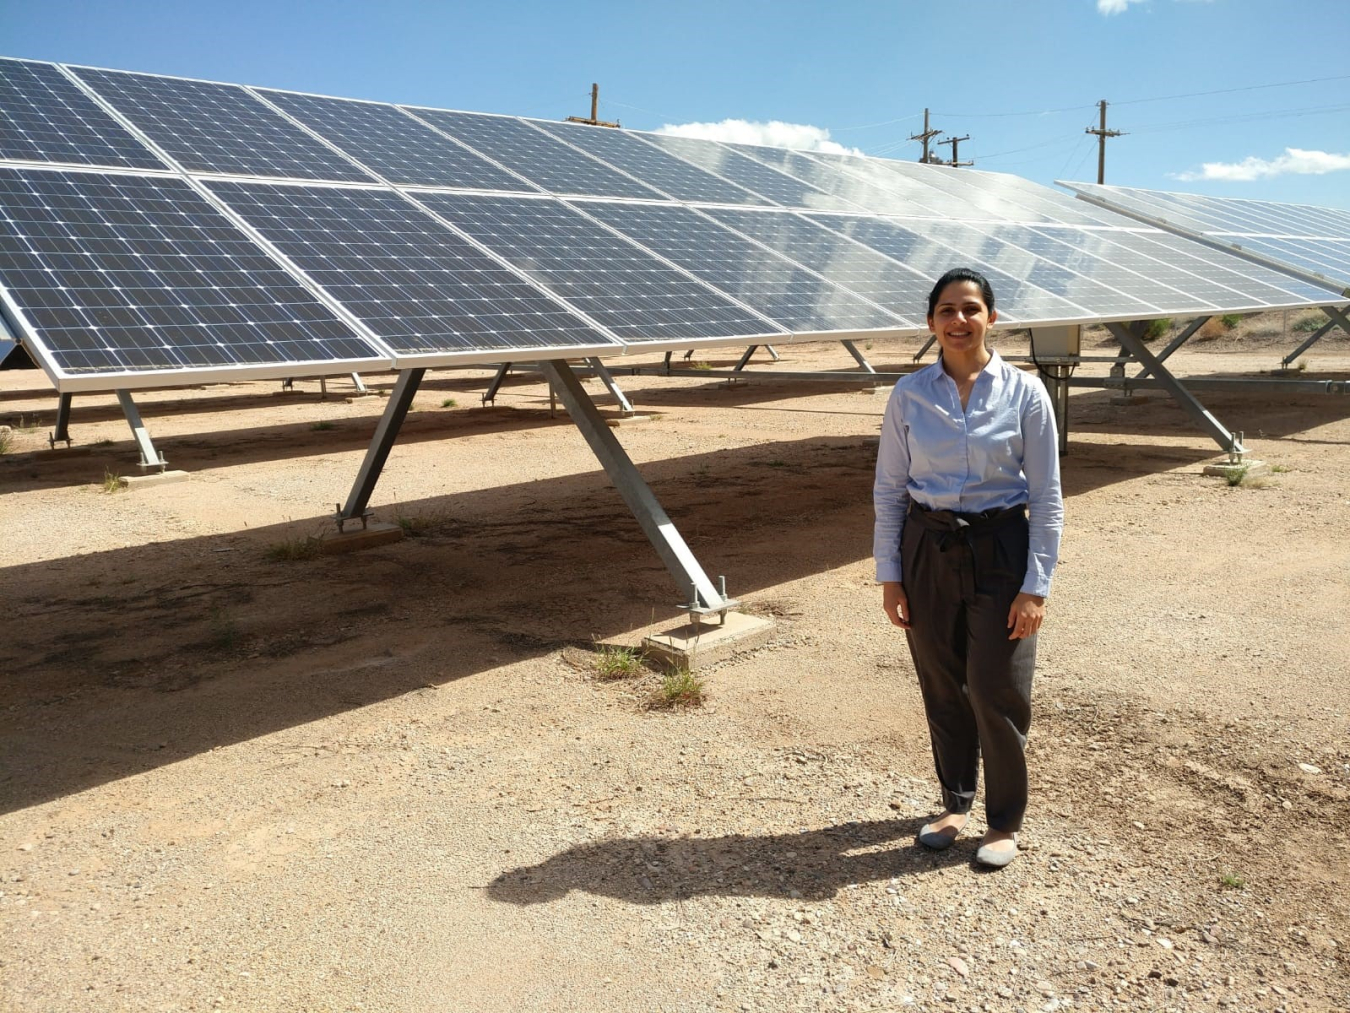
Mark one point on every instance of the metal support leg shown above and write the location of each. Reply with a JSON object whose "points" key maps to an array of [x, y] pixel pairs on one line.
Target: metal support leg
{"points": [[378, 451], [857, 356], [359, 384], [490, 396], [676, 555], [323, 388], [773, 352], [740, 363], [1337, 317], [150, 457], [1059, 397], [1176, 343], [609, 383], [926, 345], [61, 434], [1130, 339], [667, 361]]}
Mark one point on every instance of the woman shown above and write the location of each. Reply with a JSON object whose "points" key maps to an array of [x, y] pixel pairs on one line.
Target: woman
{"points": [[968, 522]]}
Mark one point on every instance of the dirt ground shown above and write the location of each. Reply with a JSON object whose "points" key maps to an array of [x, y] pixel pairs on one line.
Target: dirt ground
{"points": [[390, 780]]}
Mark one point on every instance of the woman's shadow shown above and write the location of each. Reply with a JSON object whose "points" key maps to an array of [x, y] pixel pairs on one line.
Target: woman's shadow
{"points": [[811, 865]]}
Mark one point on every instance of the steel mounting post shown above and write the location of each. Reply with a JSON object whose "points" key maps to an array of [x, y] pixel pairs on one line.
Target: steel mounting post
{"points": [[1131, 340], [1337, 317], [610, 385], [378, 452], [490, 395], [857, 356], [150, 457], [656, 524], [1174, 344], [61, 434]]}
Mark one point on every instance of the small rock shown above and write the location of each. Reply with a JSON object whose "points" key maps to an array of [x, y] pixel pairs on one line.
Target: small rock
{"points": [[1004, 992], [959, 966], [1308, 768], [1166, 944]]}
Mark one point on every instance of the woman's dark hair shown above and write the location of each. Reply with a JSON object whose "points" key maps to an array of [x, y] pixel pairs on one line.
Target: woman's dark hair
{"points": [[961, 274]]}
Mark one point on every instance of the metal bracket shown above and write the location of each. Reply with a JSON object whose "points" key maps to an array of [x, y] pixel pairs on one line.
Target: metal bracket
{"points": [[364, 515], [698, 611]]}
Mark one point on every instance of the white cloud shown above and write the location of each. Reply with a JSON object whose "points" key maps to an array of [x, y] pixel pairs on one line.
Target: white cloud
{"points": [[774, 134], [1109, 7], [1294, 162]]}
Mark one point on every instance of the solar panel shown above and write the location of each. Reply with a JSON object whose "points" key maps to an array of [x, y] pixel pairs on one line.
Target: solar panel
{"points": [[393, 144], [613, 281], [1307, 239], [118, 273], [1018, 301], [747, 172], [667, 173], [45, 117], [209, 127], [415, 283], [538, 157], [857, 192], [1015, 199], [798, 300], [858, 268], [920, 196]]}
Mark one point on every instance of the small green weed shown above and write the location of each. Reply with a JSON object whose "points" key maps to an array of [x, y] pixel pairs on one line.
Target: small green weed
{"points": [[617, 662], [1157, 328], [1309, 321], [112, 482], [449, 403], [1230, 320], [322, 427], [6, 442], [1231, 881], [1236, 476], [417, 525], [294, 550], [702, 367], [1280, 469], [778, 462], [679, 688]]}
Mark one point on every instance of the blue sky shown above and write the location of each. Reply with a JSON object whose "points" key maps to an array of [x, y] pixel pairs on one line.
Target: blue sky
{"points": [[1020, 77]]}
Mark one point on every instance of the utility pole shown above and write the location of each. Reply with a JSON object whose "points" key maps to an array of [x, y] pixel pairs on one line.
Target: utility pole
{"points": [[955, 142], [1102, 134], [594, 120], [925, 137]]}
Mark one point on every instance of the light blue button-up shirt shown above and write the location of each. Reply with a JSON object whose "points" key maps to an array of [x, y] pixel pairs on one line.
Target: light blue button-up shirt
{"points": [[1002, 450]]}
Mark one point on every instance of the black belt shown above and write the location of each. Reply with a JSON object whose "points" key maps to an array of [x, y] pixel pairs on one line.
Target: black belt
{"points": [[957, 531]]}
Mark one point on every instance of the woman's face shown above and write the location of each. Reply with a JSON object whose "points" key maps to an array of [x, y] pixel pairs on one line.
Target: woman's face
{"points": [[961, 319]]}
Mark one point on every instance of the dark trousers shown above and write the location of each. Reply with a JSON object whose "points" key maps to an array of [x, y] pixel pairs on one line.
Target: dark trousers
{"points": [[961, 574]]}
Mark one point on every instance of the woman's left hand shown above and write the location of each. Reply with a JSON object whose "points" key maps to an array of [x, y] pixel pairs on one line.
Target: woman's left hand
{"points": [[1025, 616]]}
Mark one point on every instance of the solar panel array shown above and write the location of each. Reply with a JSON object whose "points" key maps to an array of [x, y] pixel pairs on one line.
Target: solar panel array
{"points": [[1312, 240], [157, 229]]}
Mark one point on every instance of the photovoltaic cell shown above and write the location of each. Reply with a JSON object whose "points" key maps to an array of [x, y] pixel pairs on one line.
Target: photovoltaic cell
{"points": [[121, 273], [393, 144], [45, 117], [1018, 300], [747, 172], [779, 288], [534, 154], [858, 268], [857, 192], [611, 280], [650, 164], [411, 280], [217, 127]]}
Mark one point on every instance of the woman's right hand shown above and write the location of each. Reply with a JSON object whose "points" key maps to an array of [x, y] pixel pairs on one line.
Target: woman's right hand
{"points": [[896, 604]]}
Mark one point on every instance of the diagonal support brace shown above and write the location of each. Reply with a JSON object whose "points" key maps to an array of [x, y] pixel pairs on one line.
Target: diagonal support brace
{"points": [[383, 441], [1131, 340], [150, 457], [656, 524]]}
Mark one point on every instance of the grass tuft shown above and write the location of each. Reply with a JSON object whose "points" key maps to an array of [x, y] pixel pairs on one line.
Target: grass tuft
{"points": [[321, 427], [615, 662], [1157, 328], [112, 482], [1230, 320], [6, 442], [294, 550], [1237, 476], [1309, 321], [679, 688], [449, 403], [1231, 881], [705, 367]]}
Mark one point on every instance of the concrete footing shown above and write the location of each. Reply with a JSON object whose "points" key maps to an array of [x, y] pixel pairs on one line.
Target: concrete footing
{"points": [[695, 645], [153, 478], [376, 533], [620, 421], [1230, 470]]}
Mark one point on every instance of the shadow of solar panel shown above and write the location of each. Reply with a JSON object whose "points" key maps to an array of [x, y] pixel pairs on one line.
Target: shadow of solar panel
{"points": [[393, 144], [210, 127], [45, 117], [121, 273], [415, 283], [613, 281]]}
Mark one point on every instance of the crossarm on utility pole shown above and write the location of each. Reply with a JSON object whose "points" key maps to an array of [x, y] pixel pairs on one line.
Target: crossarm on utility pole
{"points": [[657, 526]]}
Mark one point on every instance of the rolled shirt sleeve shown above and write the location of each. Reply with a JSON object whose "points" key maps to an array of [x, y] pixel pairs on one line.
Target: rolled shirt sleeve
{"points": [[1045, 500]]}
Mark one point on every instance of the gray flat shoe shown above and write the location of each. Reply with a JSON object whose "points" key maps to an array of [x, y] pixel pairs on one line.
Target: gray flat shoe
{"points": [[996, 856], [937, 840]]}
